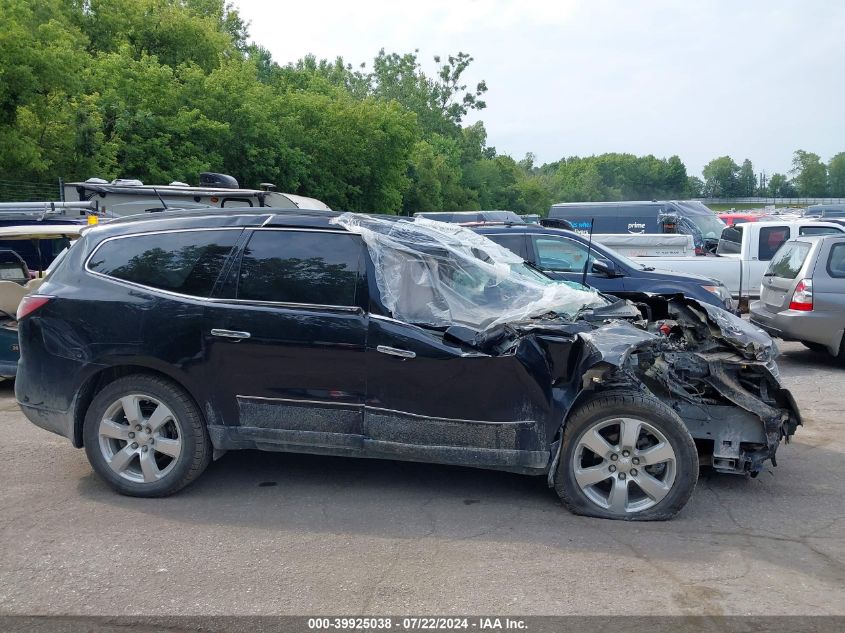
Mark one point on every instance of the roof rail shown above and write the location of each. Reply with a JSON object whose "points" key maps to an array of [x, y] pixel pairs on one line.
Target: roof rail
{"points": [[48, 209]]}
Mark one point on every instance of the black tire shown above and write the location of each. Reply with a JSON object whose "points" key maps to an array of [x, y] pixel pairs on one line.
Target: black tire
{"points": [[841, 355], [816, 347], [602, 409], [193, 456]]}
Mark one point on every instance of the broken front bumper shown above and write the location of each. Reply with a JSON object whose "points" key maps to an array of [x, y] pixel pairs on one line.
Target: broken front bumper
{"points": [[715, 370]]}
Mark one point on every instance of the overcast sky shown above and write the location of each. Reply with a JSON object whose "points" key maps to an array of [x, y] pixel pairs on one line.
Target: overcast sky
{"points": [[698, 79]]}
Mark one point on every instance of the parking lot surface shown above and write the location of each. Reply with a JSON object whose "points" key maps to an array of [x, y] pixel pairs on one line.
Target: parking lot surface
{"points": [[272, 533]]}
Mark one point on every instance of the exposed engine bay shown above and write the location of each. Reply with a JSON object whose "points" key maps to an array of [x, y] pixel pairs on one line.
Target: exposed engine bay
{"points": [[714, 369]]}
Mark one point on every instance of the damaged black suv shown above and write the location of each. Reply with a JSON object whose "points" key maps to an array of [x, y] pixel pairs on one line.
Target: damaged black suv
{"points": [[159, 344]]}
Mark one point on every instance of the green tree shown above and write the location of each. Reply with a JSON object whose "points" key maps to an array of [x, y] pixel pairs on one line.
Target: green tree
{"points": [[809, 173], [721, 178], [780, 187], [695, 187], [41, 62], [173, 31], [836, 175], [746, 180]]}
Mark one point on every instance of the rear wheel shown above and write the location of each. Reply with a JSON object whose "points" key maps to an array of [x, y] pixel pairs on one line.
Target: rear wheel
{"points": [[626, 456], [145, 437]]}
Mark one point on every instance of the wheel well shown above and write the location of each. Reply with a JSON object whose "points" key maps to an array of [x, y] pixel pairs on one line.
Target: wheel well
{"points": [[97, 382]]}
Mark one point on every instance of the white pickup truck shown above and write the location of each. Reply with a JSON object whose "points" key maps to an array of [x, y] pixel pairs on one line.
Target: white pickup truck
{"points": [[743, 253], [647, 244]]}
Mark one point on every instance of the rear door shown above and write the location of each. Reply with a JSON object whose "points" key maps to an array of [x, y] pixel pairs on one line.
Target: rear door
{"points": [[286, 339], [829, 285]]}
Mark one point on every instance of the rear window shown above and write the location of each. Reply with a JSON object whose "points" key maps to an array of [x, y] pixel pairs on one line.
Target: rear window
{"points": [[788, 261], [731, 241], [836, 261], [187, 262], [771, 239], [817, 230], [318, 268]]}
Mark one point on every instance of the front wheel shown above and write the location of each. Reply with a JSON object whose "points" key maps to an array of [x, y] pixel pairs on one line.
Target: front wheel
{"points": [[145, 436], [626, 456]]}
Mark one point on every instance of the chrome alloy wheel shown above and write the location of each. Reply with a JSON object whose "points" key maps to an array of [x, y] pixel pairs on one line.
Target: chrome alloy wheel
{"points": [[140, 438], [624, 465]]}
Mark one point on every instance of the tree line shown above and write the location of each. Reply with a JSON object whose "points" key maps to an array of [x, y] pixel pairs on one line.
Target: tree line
{"points": [[161, 90], [809, 177]]}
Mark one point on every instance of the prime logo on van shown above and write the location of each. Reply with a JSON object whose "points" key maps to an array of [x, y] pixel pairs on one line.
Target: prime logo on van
{"points": [[636, 227]]}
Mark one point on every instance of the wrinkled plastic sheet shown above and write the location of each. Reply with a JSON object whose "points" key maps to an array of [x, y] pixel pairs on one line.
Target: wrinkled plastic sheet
{"points": [[438, 274]]}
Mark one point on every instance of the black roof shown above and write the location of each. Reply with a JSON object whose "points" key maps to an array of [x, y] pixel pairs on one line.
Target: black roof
{"points": [[216, 217]]}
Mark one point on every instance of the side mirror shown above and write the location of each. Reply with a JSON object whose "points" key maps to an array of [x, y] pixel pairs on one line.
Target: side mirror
{"points": [[604, 267]]}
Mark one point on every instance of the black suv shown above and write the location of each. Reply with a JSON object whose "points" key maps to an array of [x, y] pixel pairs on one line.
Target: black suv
{"points": [[158, 344]]}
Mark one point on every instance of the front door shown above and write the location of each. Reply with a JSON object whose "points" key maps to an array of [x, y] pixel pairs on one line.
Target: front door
{"points": [[432, 399], [564, 258], [286, 343]]}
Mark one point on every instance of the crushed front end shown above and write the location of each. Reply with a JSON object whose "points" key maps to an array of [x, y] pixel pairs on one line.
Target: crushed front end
{"points": [[715, 370]]}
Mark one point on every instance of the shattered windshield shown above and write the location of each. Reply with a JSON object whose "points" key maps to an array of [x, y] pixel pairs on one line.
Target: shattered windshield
{"points": [[704, 219], [437, 274]]}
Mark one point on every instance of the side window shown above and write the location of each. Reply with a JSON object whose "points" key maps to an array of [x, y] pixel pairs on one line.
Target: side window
{"points": [[301, 267], [771, 239], [514, 243], [836, 261], [187, 262], [817, 230], [560, 254]]}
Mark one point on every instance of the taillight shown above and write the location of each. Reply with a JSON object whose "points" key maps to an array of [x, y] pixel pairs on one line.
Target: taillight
{"points": [[30, 303], [802, 298]]}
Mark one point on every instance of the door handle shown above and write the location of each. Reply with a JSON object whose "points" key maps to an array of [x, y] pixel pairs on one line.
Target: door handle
{"points": [[393, 351], [233, 334]]}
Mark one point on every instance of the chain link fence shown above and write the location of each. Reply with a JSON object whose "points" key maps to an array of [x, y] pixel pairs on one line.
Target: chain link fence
{"points": [[22, 191], [801, 202]]}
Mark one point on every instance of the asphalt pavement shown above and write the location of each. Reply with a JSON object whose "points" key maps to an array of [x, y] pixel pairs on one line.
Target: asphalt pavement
{"points": [[271, 533]]}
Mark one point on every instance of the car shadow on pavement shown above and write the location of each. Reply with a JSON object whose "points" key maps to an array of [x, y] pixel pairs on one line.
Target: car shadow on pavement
{"points": [[800, 358], [308, 494]]}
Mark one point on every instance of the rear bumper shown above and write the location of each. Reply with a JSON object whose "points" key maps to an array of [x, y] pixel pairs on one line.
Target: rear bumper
{"points": [[796, 325], [58, 422]]}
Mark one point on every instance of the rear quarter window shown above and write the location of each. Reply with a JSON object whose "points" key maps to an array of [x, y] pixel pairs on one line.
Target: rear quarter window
{"points": [[187, 262], [788, 261], [836, 261]]}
